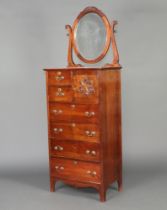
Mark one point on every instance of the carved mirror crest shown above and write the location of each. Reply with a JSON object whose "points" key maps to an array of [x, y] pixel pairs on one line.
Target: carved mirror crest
{"points": [[90, 38]]}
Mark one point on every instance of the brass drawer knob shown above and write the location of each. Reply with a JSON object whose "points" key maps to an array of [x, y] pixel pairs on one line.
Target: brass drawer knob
{"points": [[94, 173], [56, 167], [56, 148], [73, 124], [59, 111], [61, 168], [90, 133], [60, 92], [89, 114], [59, 73], [58, 130], [60, 148], [73, 106], [87, 152], [93, 152], [89, 172]]}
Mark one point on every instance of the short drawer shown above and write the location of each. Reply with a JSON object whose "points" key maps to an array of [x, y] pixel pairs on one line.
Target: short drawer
{"points": [[59, 77], [74, 112], [60, 94], [75, 131], [75, 170], [76, 150]]}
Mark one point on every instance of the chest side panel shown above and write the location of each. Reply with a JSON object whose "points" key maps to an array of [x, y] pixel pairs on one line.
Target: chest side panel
{"points": [[111, 153]]}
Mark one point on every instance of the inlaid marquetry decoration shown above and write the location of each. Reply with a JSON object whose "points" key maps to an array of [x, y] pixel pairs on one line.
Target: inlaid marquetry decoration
{"points": [[85, 86]]}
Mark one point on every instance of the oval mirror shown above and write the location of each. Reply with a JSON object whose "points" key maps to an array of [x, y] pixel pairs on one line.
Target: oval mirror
{"points": [[91, 35]]}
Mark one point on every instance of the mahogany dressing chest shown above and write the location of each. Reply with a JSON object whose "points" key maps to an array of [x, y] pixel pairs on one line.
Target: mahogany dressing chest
{"points": [[84, 109]]}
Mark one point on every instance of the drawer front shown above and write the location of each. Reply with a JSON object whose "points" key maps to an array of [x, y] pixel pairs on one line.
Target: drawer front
{"points": [[86, 89], [75, 131], [75, 170], [75, 150], [74, 113], [60, 94], [59, 78]]}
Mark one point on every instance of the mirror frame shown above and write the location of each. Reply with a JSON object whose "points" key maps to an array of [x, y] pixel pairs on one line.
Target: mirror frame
{"points": [[110, 30], [108, 34]]}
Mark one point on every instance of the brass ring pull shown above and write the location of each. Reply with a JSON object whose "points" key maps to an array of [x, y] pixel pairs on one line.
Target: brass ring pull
{"points": [[89, 114], [90, 133], [58, 130], [92, 173], [88, 152], [59, 111], [59, 78], [58, 148], [60, 92], [59, 167]]}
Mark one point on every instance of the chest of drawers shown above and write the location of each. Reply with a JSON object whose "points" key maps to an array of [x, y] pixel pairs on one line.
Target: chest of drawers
{"points": [[84, 127]]}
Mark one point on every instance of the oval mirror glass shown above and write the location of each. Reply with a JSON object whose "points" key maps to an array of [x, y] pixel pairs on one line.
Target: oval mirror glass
{"points": [[90, 36]]}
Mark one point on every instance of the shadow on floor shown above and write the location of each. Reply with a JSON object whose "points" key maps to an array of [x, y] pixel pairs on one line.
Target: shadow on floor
{"points": [[40, 179], [133, 176]]}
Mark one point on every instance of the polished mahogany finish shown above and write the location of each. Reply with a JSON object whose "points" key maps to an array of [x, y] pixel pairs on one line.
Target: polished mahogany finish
{"points": [[75, 149], [84, 127], [88, 113], [75, 131], [76, 170], [59, 78]]}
